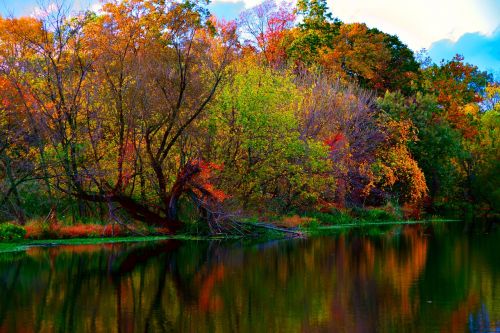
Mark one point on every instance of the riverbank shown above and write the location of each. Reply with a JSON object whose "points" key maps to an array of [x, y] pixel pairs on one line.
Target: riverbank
{"points": [[305, 231]]}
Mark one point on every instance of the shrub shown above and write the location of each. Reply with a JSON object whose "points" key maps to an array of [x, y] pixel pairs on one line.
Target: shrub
{"points": [[334, 217], [34, 230], [9, 231], [411, 211], [373, 214], [38, 230], [89, 230], [295, 221]]}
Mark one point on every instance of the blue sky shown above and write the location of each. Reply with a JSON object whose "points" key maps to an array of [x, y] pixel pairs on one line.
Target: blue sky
{"points": [[443, 27]]}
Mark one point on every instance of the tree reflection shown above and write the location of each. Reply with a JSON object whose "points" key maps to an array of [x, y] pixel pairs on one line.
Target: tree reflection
{"points": [[400, 280]]}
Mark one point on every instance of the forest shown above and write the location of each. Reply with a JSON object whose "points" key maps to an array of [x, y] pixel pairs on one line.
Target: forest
{"points": [[156, 116]]}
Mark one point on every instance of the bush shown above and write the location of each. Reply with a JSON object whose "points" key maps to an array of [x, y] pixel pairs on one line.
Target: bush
{"points": [[47, 230], [373, 214], [9, 231], [295, 221], [334, 217]]}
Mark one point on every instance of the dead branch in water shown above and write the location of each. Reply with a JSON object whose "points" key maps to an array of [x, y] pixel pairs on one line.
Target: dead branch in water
{"points": [[222, 222]]}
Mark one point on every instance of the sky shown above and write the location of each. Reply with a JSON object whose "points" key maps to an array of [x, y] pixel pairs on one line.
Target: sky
{"points": [[443, 27]]}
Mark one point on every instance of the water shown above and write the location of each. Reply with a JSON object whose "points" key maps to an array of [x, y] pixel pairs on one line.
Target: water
{"points": [[418, 278]]}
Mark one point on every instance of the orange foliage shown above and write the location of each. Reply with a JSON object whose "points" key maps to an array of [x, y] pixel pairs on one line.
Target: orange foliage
{"points": [[33, 231], [359, 54], [327, 206], [396, 166], [456, 86]]}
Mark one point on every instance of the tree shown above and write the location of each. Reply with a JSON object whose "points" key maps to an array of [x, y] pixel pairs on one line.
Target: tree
{"points": [[256, 137], [315, 33], [268, 24], [373, 59], [16, 150], [23, 161], [484, 175], [119, 93], [437, 147], [457, 86], [368, 149]]}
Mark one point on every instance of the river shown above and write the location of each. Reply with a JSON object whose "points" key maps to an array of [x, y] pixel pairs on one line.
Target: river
{"points": [[402, 278]]}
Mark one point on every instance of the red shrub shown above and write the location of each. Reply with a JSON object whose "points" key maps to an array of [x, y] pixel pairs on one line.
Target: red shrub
{"points": [[37, 231]]}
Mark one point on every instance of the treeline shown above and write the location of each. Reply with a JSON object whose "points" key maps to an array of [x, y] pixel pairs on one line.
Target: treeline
{"points": [[159, 112]]}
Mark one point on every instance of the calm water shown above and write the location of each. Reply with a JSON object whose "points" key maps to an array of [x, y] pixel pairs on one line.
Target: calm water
{"points": [[401, 279]]}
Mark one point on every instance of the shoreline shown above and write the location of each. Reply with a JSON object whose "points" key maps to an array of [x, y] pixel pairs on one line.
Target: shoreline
{"points": [[22, 245]]}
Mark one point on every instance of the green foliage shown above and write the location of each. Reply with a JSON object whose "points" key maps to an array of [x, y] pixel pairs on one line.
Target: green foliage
{"points": [[438, 145], [9, 231], [312, 226], [258, 142], [402, 70], [317, 30], [373, 214], [486, 155], [190, 217], [334, 217]]}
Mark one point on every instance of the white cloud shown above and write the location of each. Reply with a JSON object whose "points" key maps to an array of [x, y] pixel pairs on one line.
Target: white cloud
{"points": [[97, 7], [420, 23], [248, 3]]}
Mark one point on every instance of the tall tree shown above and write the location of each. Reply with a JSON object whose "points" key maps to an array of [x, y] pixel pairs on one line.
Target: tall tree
{"points": [[315, 32], [371, 58], [269, 26], [119, 93]]}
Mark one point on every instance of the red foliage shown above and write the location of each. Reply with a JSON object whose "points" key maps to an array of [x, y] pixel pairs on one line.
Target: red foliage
{"points": [[203, 180], [277, 25], [164, 231], [335, 141], [33, 231], [126, 162], [37, 231]]}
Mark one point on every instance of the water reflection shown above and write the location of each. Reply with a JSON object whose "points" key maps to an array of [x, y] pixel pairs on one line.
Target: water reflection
{"points": [[405, 279]]}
